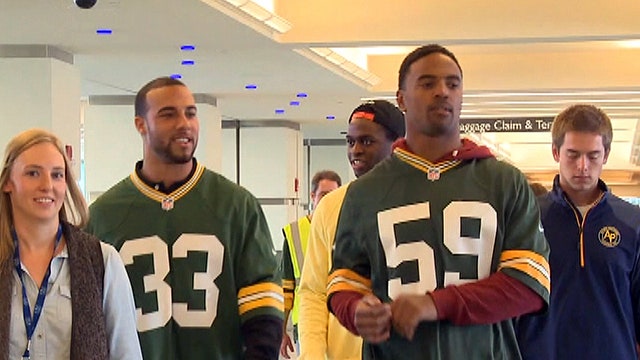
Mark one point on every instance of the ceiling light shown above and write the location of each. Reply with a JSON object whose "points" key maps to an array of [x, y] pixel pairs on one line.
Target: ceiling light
{"points": [[176, 76], [390, 98], [187, 48], [279, 111], [350, 67], [256, 11], [514, 115], [188, 62], [553, 102], [341, 65], [336, 58], [554, 93], [252, 15], [278, 24], [321, 51], [251, 86], [633, 44], [294, 103], [361, 73], [301, 95], [331, 117], [237, 3], [104, 31]]}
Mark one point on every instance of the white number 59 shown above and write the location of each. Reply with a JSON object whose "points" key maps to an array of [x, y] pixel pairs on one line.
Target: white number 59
{"points": [[418, 250]]}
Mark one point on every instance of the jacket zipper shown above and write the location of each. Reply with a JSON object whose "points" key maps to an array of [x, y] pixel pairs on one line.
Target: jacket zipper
{"points": [[581, 224]]}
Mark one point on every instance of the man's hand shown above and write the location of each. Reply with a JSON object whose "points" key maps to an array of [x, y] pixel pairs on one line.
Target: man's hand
{"points": [[409, 310], [286, 346], [373, 319]]}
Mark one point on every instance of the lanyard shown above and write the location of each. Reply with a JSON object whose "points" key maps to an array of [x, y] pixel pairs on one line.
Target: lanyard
{"points": [[29, 322]]}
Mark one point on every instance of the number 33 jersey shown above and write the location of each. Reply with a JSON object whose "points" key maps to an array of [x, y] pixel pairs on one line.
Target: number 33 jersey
{"points": [[200, 261], [405, 230]]}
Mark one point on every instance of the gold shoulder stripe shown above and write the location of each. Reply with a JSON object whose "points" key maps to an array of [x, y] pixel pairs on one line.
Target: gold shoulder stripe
{"points": [[288, 284], [288, 301], [343, 279], [422, 164], [528, 262], [345, 286], [266, 302], [259, 288], [351, 275], [259, 296], [513, 254], [158, 196]]}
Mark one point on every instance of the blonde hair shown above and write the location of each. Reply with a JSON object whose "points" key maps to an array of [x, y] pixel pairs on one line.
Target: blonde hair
{"points": [[74, 209]]}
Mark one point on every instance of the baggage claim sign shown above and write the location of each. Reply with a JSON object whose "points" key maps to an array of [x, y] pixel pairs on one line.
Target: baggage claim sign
{"points": [[524, 124]]}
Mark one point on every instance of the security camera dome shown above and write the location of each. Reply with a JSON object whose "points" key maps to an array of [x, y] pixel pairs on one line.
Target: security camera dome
{"points": [[85, 4]]}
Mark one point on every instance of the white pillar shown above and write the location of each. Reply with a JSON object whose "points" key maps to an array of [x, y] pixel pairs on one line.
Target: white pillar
{"points": [[209, 151], [270, 161], [40, 87]]}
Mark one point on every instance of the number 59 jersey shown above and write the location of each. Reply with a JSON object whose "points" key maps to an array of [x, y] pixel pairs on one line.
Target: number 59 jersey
{"points": [[402, 230], [200, 261]]}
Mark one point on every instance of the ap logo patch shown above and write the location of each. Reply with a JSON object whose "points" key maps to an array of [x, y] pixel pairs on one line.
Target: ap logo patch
{"points": [[609, 236]]}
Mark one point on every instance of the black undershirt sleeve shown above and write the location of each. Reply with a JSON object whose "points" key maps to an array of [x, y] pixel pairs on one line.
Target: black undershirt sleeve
{"points": [[262, 337]]}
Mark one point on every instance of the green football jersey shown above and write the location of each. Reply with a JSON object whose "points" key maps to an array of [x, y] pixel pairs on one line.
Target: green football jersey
{"points": [[200, 261], [407, 228]]}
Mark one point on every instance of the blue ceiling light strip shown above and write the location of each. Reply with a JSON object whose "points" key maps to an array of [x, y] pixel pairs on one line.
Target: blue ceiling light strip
{"points": [[188, 62], [188, 47], [104, 31]]}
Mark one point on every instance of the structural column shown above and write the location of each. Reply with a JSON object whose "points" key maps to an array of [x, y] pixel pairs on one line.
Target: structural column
{"points": [[265, 157], [40, 87]]}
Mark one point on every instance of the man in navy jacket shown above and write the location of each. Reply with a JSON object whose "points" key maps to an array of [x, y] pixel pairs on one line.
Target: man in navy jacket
{"points": [[594, 240]]}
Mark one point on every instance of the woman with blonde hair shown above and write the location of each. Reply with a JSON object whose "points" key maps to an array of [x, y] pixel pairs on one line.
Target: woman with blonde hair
{"points": [[63, 293]]}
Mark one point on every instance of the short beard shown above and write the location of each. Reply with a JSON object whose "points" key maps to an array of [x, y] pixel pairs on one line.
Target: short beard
{"points": [[435, 131], [171, 158]]}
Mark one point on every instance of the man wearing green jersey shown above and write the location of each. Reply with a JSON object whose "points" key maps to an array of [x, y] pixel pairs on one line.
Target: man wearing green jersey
{"points": [[196, 246], [438, 246]]}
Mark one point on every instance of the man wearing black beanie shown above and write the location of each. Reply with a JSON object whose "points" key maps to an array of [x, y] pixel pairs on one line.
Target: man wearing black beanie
{"points": [[373, 128]]}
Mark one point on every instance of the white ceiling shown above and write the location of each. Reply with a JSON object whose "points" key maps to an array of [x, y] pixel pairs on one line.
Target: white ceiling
{"points": [[529, 58], [145, 44]]}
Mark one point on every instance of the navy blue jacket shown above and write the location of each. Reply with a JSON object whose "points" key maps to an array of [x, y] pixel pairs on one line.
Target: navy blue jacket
{"points": [[594, 312]]}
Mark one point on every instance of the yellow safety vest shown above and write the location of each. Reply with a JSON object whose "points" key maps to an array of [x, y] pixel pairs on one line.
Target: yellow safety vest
{"points": [[297, 234]]}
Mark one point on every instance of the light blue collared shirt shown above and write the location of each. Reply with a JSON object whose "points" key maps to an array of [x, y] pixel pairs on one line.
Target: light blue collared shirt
{"points": [[52, 337]]}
